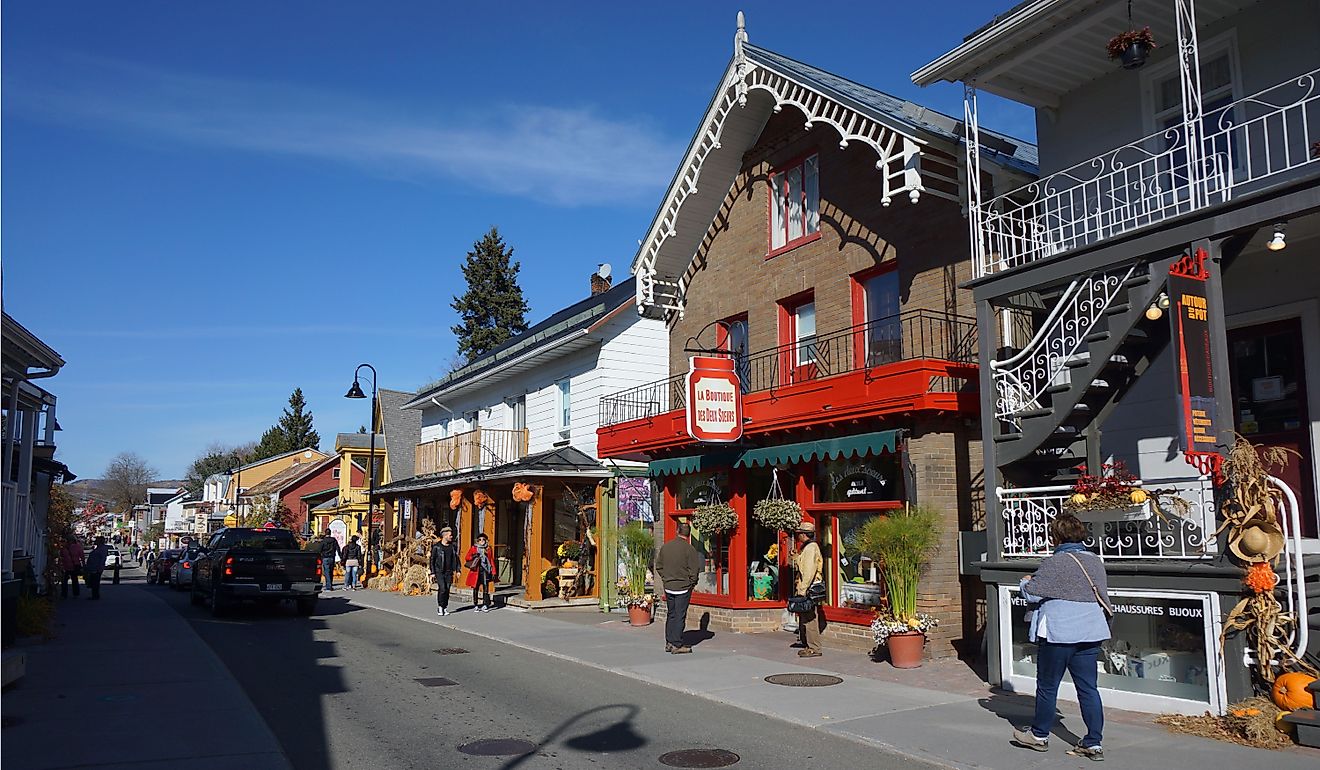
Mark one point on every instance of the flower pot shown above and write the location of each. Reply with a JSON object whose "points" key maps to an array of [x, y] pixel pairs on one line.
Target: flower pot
{"points": [[639, 615], [906, 649], [1134, 55], [1126, 513]]}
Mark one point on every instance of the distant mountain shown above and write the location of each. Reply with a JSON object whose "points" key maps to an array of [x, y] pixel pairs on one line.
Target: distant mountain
{"points": [[99, 489]]}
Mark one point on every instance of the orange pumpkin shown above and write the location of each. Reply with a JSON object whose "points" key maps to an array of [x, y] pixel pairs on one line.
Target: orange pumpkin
{"points": [[455, 499], [1290, 691]]}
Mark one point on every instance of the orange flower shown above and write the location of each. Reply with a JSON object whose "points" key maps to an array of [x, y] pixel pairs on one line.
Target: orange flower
{"points": [[1261, 578]]}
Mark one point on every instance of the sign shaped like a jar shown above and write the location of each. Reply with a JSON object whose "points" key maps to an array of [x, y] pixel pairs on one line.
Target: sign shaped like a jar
{"points": [[714, 404]]}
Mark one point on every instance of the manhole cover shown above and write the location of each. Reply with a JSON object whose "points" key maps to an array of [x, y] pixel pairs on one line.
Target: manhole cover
{"points": [[450, 651], [435, 681], [803, 680], [699, 758], [500, 747]]}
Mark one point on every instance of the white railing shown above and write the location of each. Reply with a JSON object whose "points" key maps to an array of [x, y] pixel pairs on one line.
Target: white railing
{"points": [[1155, 178], [1021, 380], [1028, 512], [1294, 578]]}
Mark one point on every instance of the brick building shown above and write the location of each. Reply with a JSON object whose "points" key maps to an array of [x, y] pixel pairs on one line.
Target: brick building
{"points": [[821, 254]]}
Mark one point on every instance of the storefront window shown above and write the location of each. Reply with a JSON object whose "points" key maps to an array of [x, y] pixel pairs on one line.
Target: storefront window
{"points": [[1159, 645], [857, 574], [763, 545], [714, 550], [697, 489], [870, 479]]}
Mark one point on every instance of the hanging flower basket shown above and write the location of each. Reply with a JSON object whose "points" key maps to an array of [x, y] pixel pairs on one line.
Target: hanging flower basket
{"points": [[717, 517], [1132, 47], [782, 515]]}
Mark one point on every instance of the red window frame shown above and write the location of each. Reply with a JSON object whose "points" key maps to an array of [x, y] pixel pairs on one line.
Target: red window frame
{"points": [[857, 287], [790, 371], [781, 173]]}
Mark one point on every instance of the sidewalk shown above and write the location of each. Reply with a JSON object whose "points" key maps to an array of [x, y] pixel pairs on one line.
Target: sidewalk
{"points": [[964, 724], [126, 683]]}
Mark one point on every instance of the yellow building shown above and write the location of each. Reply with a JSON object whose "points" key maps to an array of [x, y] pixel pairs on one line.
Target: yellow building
{"points": [[252, 474], [345, 514]]}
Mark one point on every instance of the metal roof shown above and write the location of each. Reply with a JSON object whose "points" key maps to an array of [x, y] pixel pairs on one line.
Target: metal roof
{"points": [[561, 461], [403, 427]]}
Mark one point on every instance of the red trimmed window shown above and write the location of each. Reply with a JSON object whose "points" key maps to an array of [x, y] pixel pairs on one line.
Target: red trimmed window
{"points": [[797, 338], [732, 337], [876, 308], [794, 204]]}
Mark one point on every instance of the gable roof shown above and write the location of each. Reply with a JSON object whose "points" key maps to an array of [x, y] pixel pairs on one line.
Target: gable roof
{"points": [[256, 463], [403, 428], [289, 476], [758, 83], [565, 331]]}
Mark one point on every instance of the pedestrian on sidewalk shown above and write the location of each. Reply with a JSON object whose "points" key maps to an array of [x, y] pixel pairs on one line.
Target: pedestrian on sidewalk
{"points": [[377, 537], [95, 566], [444, 563], [481, 571], [678, 564], [329, 550], [807, 563], [352, 556], [1069, 621], [71, 562]]}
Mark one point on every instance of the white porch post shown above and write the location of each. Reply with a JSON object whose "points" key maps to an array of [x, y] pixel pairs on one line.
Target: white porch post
{"points": [[50, 422], [972, 167], [11, 428], [27, 530], [1189, 71]]}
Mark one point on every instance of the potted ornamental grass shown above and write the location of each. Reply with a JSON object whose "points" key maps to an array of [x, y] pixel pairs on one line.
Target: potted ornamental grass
{"points": [[904, 541], [636, 548]]}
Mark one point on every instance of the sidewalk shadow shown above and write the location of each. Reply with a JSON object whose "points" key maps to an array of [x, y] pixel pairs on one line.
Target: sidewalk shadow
{"points": [[1018, 710], [703, 632]]}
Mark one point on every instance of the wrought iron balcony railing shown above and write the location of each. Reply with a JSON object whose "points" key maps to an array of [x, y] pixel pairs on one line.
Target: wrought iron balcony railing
{"points": [[479, 448], [916, 334], [1238, 147], [1028, 512]]}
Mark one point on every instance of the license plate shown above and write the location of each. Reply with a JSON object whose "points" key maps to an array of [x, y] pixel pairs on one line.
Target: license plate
{"points": [[272, 587]]}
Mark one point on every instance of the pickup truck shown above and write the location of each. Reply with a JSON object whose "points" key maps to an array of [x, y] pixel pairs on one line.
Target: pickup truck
{"points": [[261, 565]]}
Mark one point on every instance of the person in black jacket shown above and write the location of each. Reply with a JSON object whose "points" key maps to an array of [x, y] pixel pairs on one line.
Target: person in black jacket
{"points": [[352, 556], [444, 563], [329, 551]]}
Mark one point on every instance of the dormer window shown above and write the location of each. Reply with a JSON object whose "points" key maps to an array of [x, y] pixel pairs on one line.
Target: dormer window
{"points": [[794, 204]]}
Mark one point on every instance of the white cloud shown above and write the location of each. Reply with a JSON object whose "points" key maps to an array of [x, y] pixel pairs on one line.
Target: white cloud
{"points": [[559, 155]]}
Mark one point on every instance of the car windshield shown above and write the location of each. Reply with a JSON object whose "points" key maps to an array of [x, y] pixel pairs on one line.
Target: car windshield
{"points": [[268, 539]]}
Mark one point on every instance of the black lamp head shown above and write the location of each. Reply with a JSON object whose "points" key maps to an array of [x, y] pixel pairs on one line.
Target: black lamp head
{"points": [[355, 391]]}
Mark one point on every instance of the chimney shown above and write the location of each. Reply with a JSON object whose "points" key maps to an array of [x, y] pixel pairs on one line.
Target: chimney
{"points": [[599, 284]]}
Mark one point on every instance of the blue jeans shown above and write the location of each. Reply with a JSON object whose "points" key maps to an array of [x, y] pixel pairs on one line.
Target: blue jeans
{"points": [[350, 577], [1079, 660], [328, 567]]}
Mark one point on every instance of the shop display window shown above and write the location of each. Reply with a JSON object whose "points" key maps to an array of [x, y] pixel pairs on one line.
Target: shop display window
{"points": [[870, 479], [856, 574], [764, 565], [697, 489], [1160, 645], [714, 550]]}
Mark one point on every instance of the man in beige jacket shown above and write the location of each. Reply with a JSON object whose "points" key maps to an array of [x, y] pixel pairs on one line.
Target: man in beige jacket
{"points": [[807, 563]]}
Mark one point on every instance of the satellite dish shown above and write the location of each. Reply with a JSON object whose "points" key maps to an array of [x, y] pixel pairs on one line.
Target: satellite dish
{"points": [[308, 454], [604, 270]]}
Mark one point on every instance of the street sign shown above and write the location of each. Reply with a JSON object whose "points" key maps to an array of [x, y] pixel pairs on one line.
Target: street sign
{"points": [[714, 404]]}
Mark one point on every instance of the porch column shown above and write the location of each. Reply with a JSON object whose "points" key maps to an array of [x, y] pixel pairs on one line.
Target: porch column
{"points": [[27, 534], [12, 409]]}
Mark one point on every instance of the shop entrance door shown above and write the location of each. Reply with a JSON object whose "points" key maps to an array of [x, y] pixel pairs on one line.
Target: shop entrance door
{"points": [[509, 543], [1270, 402]]}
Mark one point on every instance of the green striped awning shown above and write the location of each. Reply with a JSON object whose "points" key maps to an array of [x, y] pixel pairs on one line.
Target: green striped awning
{"points": [[676, 466], [822, 449]]}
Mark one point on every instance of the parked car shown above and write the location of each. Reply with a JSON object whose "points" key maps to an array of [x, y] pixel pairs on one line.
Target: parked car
{"points": [[262, 565], [159, 571], [181, 573]]}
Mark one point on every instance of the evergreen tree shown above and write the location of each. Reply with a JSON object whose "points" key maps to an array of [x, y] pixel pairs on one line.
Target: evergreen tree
{"points": [[293, 431], [493, 309]]}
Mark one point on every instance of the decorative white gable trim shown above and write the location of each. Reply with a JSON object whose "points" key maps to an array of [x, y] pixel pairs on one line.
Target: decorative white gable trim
{"points": [[661, 285]]}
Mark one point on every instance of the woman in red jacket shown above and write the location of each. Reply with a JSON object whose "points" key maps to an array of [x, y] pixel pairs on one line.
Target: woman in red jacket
{"points": [[481, 571]]}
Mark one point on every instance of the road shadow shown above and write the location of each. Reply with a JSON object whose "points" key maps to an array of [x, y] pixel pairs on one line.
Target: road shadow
{"points": [[616, 735], [1018, 710]]}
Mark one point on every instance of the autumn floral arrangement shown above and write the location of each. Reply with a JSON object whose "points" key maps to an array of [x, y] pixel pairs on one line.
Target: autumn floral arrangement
{"points": [[1124, 40], [569, 552], [716, 517], [1116, 489]]}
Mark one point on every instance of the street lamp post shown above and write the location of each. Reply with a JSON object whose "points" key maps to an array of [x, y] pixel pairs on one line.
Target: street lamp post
{"points": [[355, 391], [237, 473]]}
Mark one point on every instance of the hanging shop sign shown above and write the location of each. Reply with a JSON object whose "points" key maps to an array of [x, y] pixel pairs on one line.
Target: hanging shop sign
{"points": [[1193, 353], [714, 404]]}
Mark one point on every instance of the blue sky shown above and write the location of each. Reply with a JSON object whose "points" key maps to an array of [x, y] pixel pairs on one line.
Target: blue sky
{"points": [[208, 204]]}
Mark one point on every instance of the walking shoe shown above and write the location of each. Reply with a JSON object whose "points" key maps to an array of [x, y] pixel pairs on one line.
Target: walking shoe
{"points": [[1093, 753], [682, 650], [1029, 740], [669, 647], [440, 611]]}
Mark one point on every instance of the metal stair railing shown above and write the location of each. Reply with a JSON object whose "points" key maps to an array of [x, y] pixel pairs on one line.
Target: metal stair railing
{"points": [[1294, 575], [1022, 379]]}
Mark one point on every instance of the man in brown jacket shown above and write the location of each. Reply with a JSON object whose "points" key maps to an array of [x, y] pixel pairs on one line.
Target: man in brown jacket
{"points": [[678, 564]]}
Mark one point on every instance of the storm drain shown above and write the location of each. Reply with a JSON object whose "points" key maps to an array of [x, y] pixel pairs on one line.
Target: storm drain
{"points": [[699, 758], [803, 680], [500, 747], [450, 651], [435, 681]]}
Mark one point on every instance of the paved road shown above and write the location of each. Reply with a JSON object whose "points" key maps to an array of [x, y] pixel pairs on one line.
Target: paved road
{"points": [[339, 690]]}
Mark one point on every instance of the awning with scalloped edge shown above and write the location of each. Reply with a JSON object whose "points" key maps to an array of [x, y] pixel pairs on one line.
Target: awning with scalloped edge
{"points": [[677, 466], [822, 449]]}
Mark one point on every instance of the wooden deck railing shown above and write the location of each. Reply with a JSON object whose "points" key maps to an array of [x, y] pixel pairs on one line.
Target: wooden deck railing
{"points": [[480, 448]]}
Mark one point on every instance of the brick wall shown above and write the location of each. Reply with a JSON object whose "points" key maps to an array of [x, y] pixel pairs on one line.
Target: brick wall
{"points": [[730, 274]]}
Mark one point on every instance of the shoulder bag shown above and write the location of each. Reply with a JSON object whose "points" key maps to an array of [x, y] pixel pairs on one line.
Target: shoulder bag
{"points": [[1101, 600], [816, 592], [800, 604]]}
